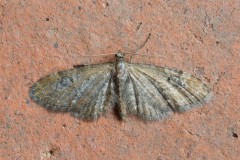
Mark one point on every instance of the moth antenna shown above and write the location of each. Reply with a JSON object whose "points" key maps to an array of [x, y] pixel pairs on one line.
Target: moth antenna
{"points": [[123, 53], [139, 48], [100, 55], [144, 43]]}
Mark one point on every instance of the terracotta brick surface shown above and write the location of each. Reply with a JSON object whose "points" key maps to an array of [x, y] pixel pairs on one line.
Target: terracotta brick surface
{"points": [[41, 37]]}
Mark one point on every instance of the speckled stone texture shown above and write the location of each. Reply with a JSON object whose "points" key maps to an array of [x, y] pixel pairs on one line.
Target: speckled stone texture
{"points": [[41, 37]]}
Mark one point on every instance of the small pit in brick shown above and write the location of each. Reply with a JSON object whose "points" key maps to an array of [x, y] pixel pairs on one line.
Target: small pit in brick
{"points": [[54, 151], [235, 135], [55, 45]]}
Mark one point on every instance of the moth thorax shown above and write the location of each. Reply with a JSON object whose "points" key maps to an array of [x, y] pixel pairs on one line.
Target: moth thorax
{"points": [[121, 69]]}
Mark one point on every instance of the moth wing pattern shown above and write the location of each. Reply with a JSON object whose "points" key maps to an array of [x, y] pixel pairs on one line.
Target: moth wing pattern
{"points": [[156, 92], [82, 91]]}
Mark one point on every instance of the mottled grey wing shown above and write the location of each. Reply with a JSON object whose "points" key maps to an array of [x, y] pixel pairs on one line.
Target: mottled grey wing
{"points": [[82, 91], [156, 92]]}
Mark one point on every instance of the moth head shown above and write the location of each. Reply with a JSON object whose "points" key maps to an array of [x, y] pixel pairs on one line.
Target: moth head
{"points": [[120, 55]]}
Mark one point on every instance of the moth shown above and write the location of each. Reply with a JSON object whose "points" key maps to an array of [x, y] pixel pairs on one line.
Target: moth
{"points": [[146, 91]]}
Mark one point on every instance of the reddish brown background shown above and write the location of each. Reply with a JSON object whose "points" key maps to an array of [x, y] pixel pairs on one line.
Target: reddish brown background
{"points": [[40, 37]]}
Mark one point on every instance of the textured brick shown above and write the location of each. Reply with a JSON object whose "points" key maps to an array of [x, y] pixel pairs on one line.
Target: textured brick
{"points": [[41, 37]]}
